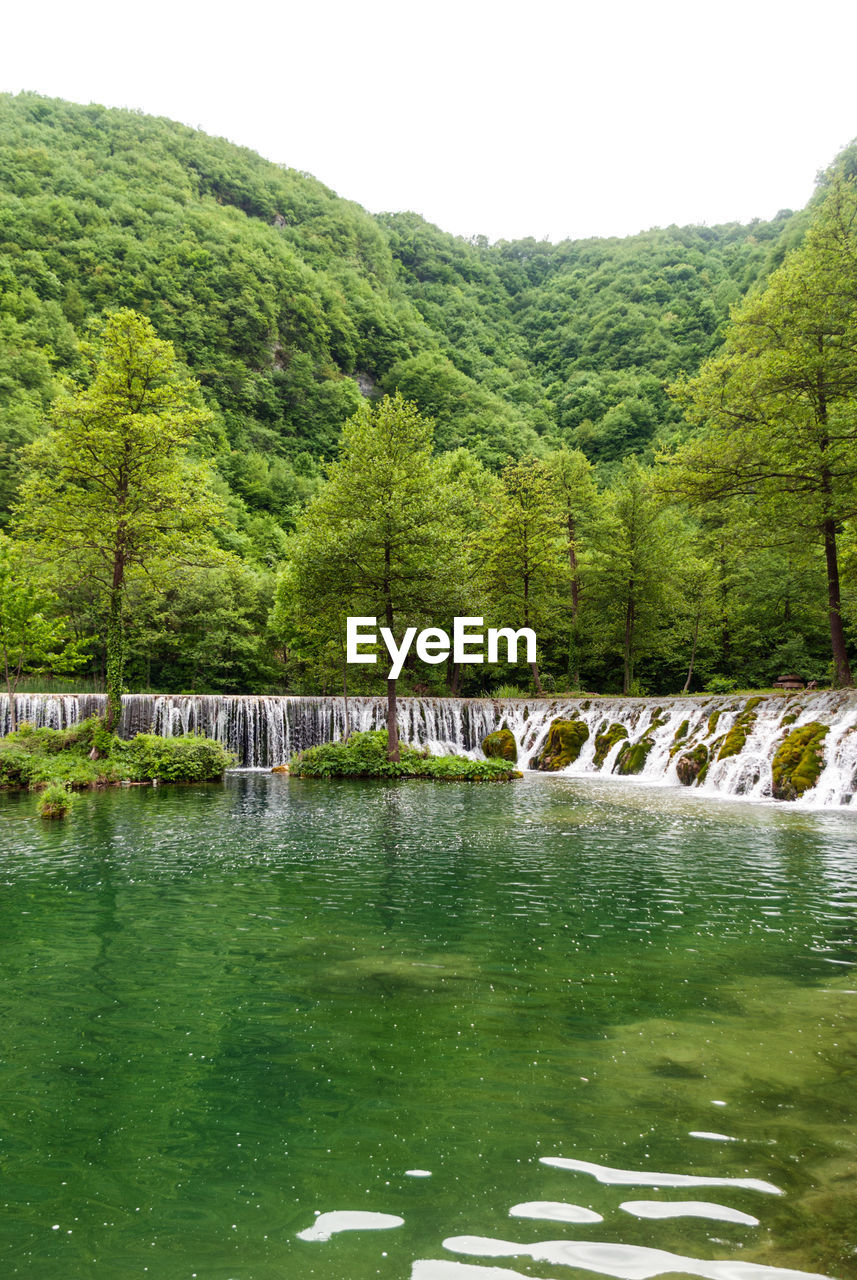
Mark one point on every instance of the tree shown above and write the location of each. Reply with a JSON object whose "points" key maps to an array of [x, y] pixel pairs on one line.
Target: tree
{"points": [[778, 407], [379, 539], [111, 493], [33, 640], [577, 496], [523, 551], [633, 566]]}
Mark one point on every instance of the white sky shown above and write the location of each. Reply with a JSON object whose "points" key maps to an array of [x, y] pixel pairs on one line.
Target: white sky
{"points": [[534, 118]]}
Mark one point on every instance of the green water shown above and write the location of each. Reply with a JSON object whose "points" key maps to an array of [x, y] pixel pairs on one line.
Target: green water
{"points": [[227, 1009]]}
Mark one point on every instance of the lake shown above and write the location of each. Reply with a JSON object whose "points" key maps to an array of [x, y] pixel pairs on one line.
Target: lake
{"points": [[227, 1010]]}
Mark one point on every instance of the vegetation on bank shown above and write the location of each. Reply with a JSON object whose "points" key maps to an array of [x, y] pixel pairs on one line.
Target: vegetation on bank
{"points": [[364, 755], [641, 448], [54, 759]]}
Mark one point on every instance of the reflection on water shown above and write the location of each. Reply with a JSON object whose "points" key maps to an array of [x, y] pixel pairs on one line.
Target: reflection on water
{"points": [[230, 1012]]}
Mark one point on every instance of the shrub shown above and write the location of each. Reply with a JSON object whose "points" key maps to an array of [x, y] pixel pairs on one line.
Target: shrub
{"points": [[55, 801], [364, 755], [720, 684], [191, 758]]}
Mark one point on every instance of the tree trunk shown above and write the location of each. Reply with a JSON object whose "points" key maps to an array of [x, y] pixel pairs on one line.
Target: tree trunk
{"points": [[842, 677], [347, 733], [573, 666], [392, 724], [693, 651], [534, 667], [115, 660], [629, 641]]}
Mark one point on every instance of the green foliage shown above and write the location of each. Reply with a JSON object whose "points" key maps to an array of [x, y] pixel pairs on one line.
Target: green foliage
{"points": [[33, 639], [111, 491], [365, 756], [55, 801], [798, 761], [506, 691], [720, 684], [35, 758], [190, 758]]}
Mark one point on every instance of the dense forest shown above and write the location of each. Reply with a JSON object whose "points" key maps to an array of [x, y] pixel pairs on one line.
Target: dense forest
{"points": [[558, 406]]}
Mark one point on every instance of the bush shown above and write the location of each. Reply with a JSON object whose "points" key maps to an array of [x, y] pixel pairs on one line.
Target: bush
{"points": [[364, 755], [55, 801], [192, 758], [720, 684]]}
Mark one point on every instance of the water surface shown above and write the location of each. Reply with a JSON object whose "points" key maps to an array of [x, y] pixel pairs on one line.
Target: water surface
{"points": [[229, 1009]]}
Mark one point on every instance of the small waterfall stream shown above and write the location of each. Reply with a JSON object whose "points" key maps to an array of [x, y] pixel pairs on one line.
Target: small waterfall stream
{"points": [[263, 731]]}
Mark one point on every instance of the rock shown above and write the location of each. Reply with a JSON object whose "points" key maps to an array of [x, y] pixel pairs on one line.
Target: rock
{"points": [[606, 739], [691, 764], [562, 746], [501, 743], [632, 758], [280, 768], [798, 761]]}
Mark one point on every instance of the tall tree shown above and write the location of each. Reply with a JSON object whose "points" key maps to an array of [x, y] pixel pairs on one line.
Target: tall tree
{"points": [[111, 491], [633, 567], [778, 408], [379, 540], [577, 496], [524, 552], [33, 638]]}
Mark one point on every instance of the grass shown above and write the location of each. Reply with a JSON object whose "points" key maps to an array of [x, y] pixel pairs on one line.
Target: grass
{"points": [[37, 759], [364, 755]]}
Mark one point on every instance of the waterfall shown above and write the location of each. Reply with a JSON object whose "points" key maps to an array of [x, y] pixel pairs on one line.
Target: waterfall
{"points": [[263, 731]]}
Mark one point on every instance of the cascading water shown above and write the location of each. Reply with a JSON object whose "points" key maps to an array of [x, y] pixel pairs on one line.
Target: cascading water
{"points": [[263, 731]]}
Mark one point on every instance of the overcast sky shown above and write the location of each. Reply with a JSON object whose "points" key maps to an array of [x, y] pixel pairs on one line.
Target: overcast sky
{"points": [[507, 120]]}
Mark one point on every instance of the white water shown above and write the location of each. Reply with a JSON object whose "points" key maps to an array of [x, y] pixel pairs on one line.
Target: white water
{"points": [[263, 731]]}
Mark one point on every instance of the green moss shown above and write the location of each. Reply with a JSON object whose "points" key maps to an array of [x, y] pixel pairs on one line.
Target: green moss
{"points": [[501, 744], [693, 765], [632, 759], [712, 720], [681, 731], [562, 746], [733, 743], [799, 761], [606, 739], [788, 719]]}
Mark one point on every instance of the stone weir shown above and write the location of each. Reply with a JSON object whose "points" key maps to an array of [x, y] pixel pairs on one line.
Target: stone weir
{"points": [[799, 746]]}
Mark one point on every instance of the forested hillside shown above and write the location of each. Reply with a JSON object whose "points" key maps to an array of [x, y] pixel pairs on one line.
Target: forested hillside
{"points": [[293, 308]]}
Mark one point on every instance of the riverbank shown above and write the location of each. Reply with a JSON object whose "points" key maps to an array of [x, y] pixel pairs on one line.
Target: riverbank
{"points": [[34, 759]]}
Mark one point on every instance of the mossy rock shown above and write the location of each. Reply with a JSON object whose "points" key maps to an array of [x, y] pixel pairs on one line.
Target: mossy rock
{"points": [[733, 743], [501, 743], [605, 740], [691, 765], [681, 732], [799, 761], [563, 745], [712, 720], [632, 759], [788, 719]]}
